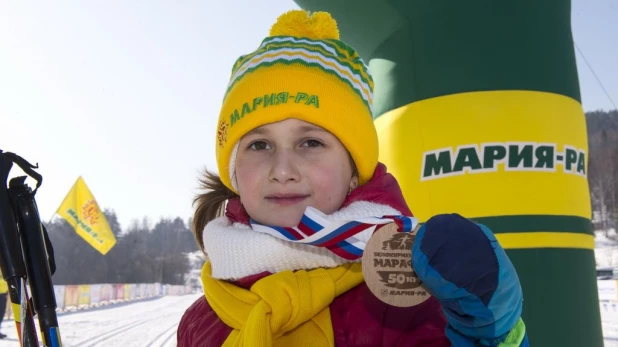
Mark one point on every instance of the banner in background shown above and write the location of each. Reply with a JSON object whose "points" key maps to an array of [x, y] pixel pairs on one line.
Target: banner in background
{"points": [[95, 290], [84, 294], [608, 290], [105, 292], [71, 296], [119, 292], [59, 293]]}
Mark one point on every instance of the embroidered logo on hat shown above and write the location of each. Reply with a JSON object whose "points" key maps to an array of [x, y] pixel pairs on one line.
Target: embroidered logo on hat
{"points": [[222, 133], [272, 100]]}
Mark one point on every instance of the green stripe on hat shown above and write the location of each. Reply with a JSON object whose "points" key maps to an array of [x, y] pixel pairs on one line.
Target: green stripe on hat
{"points": [[306, 63]]}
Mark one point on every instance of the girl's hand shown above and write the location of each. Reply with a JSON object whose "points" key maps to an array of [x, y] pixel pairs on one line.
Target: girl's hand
{"points": [[462, 264]]}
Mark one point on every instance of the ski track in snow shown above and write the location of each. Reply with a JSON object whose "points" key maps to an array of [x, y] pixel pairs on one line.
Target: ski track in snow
{"points": [[150, 322]]}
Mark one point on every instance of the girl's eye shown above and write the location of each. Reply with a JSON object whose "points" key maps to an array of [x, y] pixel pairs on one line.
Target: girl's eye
{"points": [[259, 146], [312, 143]]}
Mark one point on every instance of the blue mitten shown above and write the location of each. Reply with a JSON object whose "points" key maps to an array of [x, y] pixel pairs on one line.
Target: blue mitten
{"points": [[462, 264]]}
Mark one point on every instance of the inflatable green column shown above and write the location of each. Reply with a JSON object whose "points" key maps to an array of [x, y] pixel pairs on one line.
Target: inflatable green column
{"points": [[478, 111]]}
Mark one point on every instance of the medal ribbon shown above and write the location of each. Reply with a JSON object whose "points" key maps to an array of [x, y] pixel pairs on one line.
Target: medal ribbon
{"points": [[338, 237]]}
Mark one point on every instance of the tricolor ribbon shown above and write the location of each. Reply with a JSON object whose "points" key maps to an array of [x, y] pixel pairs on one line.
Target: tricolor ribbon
{"points": [[339, 237]]}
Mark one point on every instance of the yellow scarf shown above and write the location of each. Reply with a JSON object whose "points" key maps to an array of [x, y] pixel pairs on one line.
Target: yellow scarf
{"points": [[284, 309]]}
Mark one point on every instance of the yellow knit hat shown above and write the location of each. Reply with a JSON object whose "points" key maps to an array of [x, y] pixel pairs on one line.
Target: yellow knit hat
{"points": [[303, 71]]}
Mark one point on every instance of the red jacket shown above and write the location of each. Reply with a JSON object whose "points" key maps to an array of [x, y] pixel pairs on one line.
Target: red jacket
{"points": [[358, 317]]}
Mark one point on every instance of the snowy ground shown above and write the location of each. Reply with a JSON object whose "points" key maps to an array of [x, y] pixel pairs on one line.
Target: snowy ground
{"points": [[606, 249], [151, 322], [606, 255]]}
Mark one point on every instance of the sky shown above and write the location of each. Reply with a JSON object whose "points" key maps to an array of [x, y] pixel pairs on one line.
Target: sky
{"points": [[127, 93]]}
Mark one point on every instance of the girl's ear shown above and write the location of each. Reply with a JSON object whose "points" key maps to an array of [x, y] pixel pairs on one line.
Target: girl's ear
{"points": [[353, 184]]}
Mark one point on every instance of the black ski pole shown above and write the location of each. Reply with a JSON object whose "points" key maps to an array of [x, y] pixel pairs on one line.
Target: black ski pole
{"points": [[12, 263], [37, 261]]}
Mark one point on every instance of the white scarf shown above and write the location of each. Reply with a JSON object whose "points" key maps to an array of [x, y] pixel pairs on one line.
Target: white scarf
{"points": [[236, 251]]}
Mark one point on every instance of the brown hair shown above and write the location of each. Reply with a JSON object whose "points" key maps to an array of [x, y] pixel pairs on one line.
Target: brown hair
{"points": [[210, 204]]}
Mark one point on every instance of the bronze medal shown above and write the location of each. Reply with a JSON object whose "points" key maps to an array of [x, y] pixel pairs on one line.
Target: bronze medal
{"points": [[387, 267]]}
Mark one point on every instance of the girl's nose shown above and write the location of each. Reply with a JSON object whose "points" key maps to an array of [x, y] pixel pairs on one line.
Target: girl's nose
{"points": [[283, 169]]}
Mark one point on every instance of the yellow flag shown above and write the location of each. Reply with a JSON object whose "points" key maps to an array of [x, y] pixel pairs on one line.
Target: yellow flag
{"points": [[81, 210]]}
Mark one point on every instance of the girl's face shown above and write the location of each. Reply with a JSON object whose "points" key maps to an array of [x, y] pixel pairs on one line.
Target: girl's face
{"points": [[283, 167]]}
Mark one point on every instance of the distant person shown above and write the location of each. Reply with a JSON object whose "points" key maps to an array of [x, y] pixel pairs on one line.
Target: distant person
{"points": [[297, 153]]}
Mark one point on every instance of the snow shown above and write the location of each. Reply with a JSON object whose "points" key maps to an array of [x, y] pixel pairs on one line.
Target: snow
{"points": [[610, 343], [606, 249], [602, 241], [196, 262], [606, 256], [149, 322]]}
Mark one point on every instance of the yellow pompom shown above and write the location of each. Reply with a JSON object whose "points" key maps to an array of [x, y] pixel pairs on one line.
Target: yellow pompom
{"points": [[300, 23]]}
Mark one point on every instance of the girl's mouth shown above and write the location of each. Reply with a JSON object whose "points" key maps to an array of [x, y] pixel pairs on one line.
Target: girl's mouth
{"points": [[286, 199]]}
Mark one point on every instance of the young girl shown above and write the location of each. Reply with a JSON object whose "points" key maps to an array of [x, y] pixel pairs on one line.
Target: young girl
{"points": [[297, 152]]}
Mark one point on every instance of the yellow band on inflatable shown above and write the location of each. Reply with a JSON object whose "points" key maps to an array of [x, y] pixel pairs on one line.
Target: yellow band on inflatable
{"points": [[545, 240], [491, 153]]}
